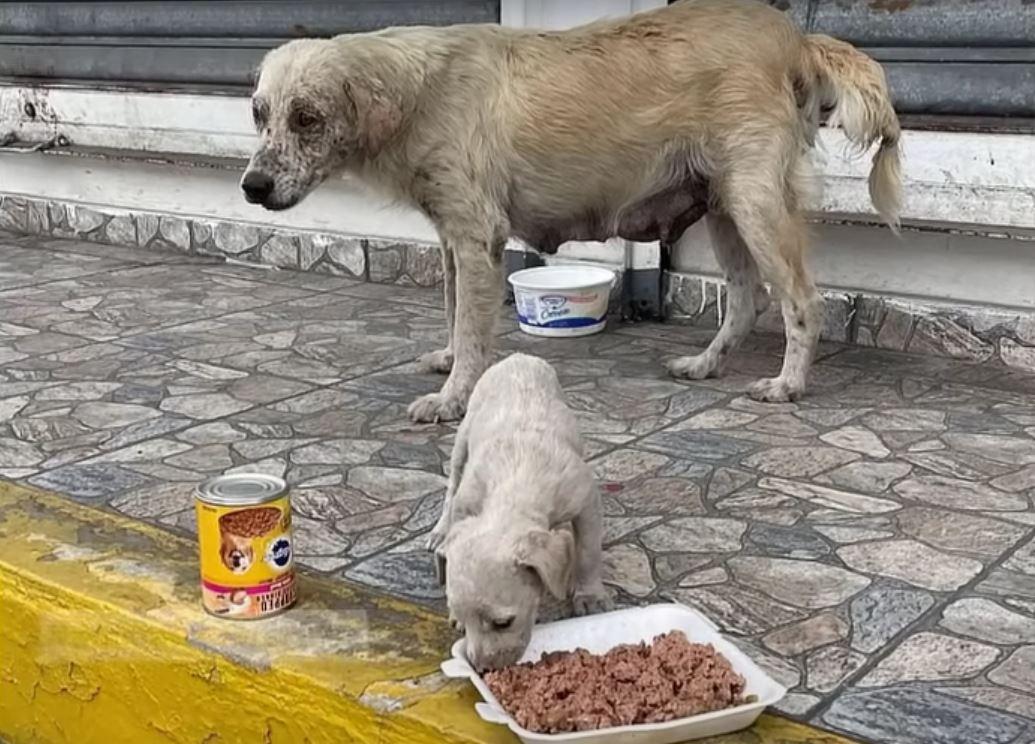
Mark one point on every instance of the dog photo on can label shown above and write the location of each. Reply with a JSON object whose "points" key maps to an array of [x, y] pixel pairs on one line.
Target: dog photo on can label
{"points": [[236, 552], [239, 529]]}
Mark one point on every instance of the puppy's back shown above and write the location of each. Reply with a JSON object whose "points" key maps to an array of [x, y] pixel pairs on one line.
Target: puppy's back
{"points": [[522, 440], [524, 371], [523, 391]]}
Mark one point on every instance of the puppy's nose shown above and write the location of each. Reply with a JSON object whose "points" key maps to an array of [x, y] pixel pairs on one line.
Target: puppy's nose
{"points": [[257, 186]]}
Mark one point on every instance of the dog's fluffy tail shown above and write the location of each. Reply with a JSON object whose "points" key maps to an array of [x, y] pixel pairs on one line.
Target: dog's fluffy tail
{"points": [[852, 87]]}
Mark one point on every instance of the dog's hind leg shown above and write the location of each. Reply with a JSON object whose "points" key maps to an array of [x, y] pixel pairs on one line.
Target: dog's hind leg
{"points": [[746, 299], [776, 237], [803, 311], [442, 360], [479, 295]]}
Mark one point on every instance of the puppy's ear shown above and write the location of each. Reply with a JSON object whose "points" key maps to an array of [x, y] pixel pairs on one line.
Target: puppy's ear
{"points": [[440, 568], [377, 115], [550, 553], [439, 557], [440, 548]]}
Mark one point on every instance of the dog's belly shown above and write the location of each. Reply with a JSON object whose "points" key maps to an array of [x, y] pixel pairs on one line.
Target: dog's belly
{"points": [[662, 216]]}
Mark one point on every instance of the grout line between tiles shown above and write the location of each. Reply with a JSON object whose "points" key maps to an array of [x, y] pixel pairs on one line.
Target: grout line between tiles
{"points": [[934, 611]]}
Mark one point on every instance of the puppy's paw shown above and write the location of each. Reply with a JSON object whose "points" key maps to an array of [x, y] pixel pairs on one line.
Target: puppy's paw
{"points": [[590, 601], [440, 361], [697, 367], [436, 537], [432, 409], [774, 390]]}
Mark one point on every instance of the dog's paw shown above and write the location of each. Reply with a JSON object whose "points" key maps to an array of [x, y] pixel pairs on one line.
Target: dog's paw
{"points": [[435, 538], [436, 407], [440, 361], [697, 367], [774, 390], [590, 602]]}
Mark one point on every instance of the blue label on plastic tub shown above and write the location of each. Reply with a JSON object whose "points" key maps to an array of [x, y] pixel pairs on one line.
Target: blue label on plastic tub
{"points": [[561, 322], [560, 310]]}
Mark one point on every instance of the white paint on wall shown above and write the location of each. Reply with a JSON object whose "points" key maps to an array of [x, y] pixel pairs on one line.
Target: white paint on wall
{"points": [[181, 123], [550, 14], [929, 265], [949, 178], [340, 206]]}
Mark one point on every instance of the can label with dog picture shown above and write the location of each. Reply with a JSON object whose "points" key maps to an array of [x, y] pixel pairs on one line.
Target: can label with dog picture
{"points": [[244, 539]]}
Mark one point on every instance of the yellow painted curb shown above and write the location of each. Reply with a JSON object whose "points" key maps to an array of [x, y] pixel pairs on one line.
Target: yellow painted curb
{"points": [[102, 639]]}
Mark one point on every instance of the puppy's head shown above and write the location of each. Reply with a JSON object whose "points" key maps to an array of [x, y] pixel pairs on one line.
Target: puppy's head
{"points": [[494, 583], [318, 107]]}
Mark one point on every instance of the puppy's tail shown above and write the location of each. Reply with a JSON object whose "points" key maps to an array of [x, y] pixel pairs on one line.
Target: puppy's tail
{"points": [[852, 87]]}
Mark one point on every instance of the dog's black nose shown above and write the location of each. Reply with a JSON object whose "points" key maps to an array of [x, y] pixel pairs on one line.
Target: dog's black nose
{"points": [[256, 186]]}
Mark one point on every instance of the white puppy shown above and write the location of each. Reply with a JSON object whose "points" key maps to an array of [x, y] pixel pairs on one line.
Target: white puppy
{"points": [[521, 515]]}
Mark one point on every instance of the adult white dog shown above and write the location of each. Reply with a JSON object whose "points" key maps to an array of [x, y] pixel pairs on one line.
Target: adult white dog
{"points": [[632, 127]]}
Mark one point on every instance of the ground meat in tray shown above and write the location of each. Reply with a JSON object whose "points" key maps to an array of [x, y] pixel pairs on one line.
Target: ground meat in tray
{"points": [[634, 683]]}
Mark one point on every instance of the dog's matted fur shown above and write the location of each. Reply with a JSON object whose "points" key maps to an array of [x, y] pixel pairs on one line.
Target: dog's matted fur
{"points": [[633, 128]]}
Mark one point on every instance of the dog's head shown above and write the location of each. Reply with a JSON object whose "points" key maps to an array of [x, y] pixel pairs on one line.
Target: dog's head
{"points": [[319, 106], [237, 553], [494, 584]]}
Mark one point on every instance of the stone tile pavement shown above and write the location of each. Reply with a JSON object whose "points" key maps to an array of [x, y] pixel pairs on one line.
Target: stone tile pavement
{"points": [[872, 546]]}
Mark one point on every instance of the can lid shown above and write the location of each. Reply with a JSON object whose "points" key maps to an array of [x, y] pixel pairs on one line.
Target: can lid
{"points": [[239, 489]]}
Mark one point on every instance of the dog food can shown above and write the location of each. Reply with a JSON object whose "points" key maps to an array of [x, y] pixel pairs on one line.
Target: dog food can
{"points": [[244, 537]]}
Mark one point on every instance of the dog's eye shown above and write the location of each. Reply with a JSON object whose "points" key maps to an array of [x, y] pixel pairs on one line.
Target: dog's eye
{"points": [[304, 120], [503, 623]]}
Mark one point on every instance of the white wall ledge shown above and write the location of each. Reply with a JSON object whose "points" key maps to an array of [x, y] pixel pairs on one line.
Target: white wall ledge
{"points": [[977, 180]]}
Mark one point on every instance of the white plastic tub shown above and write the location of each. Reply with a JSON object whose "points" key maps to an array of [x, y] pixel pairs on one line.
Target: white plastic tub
{"points": [[562, 300], [599, 634]]}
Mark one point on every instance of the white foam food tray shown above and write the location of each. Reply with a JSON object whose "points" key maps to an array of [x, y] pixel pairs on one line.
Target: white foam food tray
{"points": [[599, 634]]}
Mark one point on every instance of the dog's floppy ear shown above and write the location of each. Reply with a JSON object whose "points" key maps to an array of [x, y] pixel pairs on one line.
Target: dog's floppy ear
{"points": [[550, 554], [438, 551], [378, 114], [440, 568]]}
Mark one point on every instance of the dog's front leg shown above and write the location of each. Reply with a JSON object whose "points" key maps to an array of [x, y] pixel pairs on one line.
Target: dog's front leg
{"points": [[479, 294], [442, 360], [589, 595], [457, 462]]}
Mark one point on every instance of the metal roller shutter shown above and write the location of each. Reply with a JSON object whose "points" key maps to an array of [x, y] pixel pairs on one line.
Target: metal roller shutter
{"points": [[193, 42], [966, 58]]}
